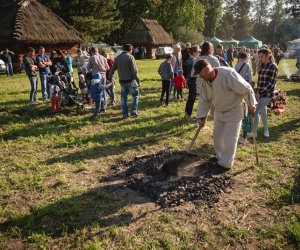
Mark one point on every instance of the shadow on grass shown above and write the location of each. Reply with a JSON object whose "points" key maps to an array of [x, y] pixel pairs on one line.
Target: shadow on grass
{"points": [[283, 128], [122, 141], [293, 92], [95, 207]]}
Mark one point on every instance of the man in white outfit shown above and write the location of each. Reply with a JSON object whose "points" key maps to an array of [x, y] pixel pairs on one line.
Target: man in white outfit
{"points": [[226, 90]]}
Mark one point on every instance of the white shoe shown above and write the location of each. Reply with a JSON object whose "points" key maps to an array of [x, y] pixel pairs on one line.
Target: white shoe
{"points": [[250, 135], [266, 134]]}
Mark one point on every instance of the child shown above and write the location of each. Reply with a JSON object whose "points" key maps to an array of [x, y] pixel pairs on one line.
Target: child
{"points": [[97, 92], [166, 72], [180, 83]]}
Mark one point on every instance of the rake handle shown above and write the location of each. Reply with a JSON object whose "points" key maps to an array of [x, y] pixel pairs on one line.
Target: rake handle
{"points": [[194, 138]]}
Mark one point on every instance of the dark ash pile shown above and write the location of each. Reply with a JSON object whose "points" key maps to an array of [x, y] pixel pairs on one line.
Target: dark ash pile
{"points": [[174, 178]]}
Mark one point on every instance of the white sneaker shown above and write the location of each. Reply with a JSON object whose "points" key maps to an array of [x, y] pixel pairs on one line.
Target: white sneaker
{"points": [[266, 134], [250, 135]]}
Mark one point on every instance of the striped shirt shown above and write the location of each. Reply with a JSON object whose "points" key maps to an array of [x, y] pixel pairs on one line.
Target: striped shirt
{"points": [[267, 77]]}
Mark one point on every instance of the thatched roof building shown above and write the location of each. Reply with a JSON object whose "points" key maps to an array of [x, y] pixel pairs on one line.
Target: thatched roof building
{"points": [[148, 33], [26, 23]]}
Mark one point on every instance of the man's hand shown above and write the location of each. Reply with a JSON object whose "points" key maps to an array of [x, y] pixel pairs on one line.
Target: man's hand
{"points": [[201, 121]]}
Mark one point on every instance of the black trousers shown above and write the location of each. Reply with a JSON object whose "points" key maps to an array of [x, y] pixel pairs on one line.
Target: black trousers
{"points": [[191, 98], [165, 90]]}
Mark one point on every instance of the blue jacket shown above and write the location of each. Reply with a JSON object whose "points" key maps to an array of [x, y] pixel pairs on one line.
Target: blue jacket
{"points": [[97, 89]]}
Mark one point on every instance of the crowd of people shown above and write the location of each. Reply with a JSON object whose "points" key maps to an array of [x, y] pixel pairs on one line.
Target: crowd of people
{"points": [[226, 91]]}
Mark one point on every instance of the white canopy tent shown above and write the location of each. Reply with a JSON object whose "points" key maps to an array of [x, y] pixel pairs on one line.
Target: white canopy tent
{"points": [[294, 44]]}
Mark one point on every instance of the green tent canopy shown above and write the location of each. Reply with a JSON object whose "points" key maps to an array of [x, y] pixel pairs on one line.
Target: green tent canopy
{"points": [[231, 41], [250, 43], [215, 41]]}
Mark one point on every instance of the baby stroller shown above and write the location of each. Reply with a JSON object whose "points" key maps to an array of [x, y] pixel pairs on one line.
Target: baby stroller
{"points": [[63, 92]]}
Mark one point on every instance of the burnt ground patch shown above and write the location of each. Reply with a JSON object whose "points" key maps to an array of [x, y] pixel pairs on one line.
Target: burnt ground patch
{"points": [[173, 178]]}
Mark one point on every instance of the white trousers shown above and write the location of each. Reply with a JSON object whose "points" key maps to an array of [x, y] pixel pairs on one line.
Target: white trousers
{"points": [[226, 134]]}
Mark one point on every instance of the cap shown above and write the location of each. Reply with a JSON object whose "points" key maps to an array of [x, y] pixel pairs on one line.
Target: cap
{"points": [[199, 65]]}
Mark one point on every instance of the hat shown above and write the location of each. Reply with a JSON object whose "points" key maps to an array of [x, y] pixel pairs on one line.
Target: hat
{"points": [[199, 65]]}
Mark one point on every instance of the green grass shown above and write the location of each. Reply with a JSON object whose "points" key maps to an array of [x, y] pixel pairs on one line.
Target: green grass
{"points": [[52, 196]]}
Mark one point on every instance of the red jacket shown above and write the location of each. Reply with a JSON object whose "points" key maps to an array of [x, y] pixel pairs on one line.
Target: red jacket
{"points": [[110, 63], [179, 81]]}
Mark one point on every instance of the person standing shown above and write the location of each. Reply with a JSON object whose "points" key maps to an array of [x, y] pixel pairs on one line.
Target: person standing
{"points": [[207, 51], [129, 79], [191, 83], [226, 90], [176, 63], [110, 90], [243, 68], [98, 65], [44, 64], [185, 57], [221, 55], [8, 62], [166, 73], [230, 56], [30, 65], [267, 77]]}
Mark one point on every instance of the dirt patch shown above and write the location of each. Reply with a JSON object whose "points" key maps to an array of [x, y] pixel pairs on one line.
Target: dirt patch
{"points": [[173, 178]]}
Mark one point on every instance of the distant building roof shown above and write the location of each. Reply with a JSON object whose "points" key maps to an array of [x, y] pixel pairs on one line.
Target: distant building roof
{"points": [[148, 32], [29, 21]]}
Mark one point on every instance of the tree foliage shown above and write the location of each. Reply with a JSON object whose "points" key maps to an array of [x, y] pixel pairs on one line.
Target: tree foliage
{"points": [[186, 20]]}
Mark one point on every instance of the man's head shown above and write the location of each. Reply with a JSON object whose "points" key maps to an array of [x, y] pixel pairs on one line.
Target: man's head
{"points": [[188, 45], [94, 50], [203, 69], [79, 51], [168, 57], [6, 50], [243, 56], [41, 50], [31, 51], [219, 49], [128, 47]]}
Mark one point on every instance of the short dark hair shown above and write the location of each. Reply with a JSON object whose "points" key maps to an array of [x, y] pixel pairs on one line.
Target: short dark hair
{"points": [[199, 65], [41, 47], [243, 55], [127, 47], [30, 49], [168, 56], [219, 46]]}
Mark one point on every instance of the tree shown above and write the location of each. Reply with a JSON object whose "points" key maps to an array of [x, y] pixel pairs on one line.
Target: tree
{"points": [[261, 18], [277, 19], [243, 24], [213, 12], [95, 19]]}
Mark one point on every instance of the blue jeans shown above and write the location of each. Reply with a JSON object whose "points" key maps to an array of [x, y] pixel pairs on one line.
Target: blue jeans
{"points": [[9, 69], [34, 83], [261, 108], [44, 85], [111, 93], [125, 89], [97, 108]]}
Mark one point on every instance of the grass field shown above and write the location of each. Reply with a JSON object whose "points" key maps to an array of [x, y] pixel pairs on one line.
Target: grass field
{"points": [[51, 167]]}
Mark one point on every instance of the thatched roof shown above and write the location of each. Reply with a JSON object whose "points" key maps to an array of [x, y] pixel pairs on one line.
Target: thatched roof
{"points": [[29, 21], [148, 32]]}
